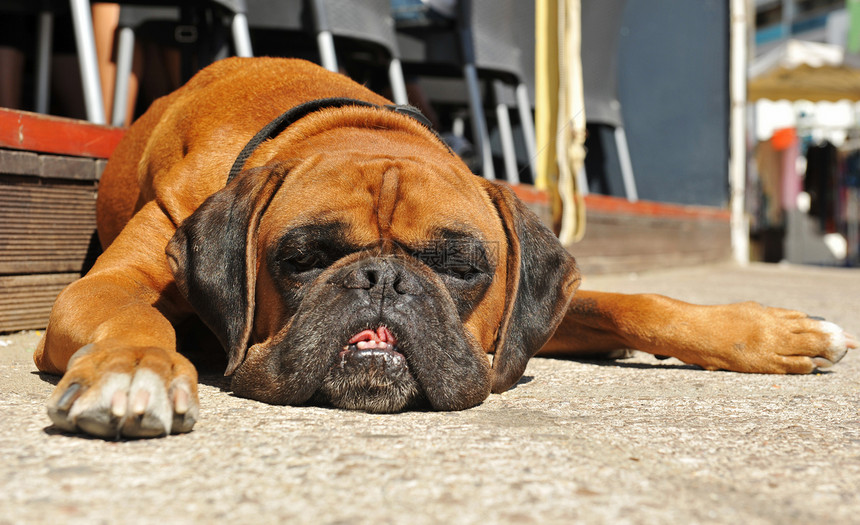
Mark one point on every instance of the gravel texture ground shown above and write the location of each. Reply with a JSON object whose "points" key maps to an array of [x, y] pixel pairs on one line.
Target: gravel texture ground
{"points": [[631, 441]]}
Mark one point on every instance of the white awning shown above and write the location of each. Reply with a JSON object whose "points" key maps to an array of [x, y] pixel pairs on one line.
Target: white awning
{"points": [[801, 70]]}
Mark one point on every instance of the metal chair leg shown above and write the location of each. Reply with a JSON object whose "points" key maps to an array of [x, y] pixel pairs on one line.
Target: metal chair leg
{"points": [[626, 165], [43, 61], [325, 42], [398, 84], [506, 135], [479, 123], [85, 40], [241, 35], [124, 59], [582, 181], [528, 126]]}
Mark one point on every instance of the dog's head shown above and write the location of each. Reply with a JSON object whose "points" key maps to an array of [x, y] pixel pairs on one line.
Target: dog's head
{"points": [[375, 272]]}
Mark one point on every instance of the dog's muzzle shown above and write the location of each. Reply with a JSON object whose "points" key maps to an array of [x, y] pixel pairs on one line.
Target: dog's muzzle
{"points": [[370, 374]]}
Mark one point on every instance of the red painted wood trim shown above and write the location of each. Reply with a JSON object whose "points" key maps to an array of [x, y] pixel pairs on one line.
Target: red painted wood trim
{"points": [[607, 204], [603, 203], [61, 136], [530, 194]]}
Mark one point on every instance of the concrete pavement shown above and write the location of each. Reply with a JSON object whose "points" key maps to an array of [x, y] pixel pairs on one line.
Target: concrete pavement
{"points": [[633, 441]]}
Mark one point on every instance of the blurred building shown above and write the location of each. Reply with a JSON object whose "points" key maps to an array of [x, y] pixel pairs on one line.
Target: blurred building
{"points": [[804, 182], [812, 20]]}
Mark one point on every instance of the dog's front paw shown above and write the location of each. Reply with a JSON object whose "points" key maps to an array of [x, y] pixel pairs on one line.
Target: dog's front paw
{"points": [[112, 391]]}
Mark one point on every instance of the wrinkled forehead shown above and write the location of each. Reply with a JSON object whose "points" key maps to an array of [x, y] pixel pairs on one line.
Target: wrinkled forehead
{"points": [[371, 198]]}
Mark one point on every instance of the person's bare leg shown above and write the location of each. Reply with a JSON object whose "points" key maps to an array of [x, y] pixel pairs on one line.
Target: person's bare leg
{"points": [[105, 23], [137, 68], [11, 72]]}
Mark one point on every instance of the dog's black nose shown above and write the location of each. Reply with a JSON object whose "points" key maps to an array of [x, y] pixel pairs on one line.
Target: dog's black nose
{"points": [[382, 274]]}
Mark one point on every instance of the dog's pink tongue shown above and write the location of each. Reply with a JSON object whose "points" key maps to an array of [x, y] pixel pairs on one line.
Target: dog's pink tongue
{"points": [[380, 335]]}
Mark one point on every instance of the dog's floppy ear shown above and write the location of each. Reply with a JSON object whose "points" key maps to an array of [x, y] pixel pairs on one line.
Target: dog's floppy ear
{"points": [[541, 280], [213, 257]]}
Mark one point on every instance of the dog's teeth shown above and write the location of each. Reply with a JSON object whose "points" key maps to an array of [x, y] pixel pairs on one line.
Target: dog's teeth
{"points": [[370, 345]]}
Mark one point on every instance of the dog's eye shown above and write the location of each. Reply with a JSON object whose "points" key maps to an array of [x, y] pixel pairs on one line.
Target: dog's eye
{"points": [[460, 260], [304, 262], [465, 272]]}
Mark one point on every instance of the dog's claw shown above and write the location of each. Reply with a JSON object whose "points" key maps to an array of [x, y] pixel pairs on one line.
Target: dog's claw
{"points": [[185, 407], [141, 401], [69, 396], [118, 404], [181, 400]]}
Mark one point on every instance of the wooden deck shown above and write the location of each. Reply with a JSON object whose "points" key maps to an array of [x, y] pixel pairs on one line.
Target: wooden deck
{"points": [[49, 172]]}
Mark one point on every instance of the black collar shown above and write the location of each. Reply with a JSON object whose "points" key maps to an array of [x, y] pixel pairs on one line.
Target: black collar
{"points": [[275, 127]]}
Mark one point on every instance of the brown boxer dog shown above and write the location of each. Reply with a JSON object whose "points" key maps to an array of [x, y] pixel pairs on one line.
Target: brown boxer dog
{"points": [[342, 255]]}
